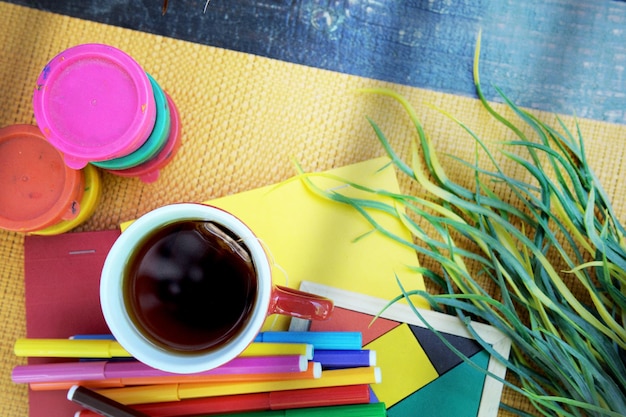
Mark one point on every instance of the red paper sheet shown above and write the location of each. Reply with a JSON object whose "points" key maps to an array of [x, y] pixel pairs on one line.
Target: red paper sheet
{"points": [[62, 278]]}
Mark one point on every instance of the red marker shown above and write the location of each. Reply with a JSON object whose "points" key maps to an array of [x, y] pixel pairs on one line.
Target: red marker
{"points": [[279, 400]]}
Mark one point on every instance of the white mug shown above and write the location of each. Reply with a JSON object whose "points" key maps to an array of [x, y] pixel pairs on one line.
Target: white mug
{"points": [[141, 314]]}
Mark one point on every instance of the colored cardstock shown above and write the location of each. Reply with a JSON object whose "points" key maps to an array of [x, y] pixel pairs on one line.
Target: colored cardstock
{"points": [[308, 237], [420, 374]]}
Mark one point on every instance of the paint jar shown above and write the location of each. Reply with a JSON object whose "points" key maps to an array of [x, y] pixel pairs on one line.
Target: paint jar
{"points": [[155, 142], [94, 102], [37, 190], [88, 204], [149, 171]]}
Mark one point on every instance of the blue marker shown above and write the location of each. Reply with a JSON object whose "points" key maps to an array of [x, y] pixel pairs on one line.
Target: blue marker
{"points": [[339, 359], [319, 340], [93, 337]]}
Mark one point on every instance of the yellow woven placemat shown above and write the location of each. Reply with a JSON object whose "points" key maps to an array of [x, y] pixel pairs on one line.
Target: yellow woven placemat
{"points": [[244, 117]]}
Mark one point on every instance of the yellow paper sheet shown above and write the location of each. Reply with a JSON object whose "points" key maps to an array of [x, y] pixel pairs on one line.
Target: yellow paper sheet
{"points": [[312, 238]]}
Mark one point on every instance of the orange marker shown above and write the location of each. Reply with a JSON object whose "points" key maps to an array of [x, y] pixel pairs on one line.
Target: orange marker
{"points": [[175, 392]]}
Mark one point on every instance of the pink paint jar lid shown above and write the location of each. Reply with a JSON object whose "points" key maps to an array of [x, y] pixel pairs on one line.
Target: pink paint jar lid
{"points": [[149, 171], [37, 189], [94, 102], [155, 142]]}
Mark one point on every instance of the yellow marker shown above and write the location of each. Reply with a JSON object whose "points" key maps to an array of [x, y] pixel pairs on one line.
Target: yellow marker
{"points": [[143, 394], [70, 348], [161, 393], [276, 349], [103, 349]]}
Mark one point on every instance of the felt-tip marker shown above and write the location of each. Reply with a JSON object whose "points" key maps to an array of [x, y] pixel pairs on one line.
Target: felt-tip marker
{"points": [[319, 340], [69, 348], [175, 392], [100, 404], [358, 410], [106, 349], [101, 370], [277, 400], [313, 371], [344, 358]]}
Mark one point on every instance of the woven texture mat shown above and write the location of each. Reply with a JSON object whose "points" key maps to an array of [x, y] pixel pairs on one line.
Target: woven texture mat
{"points": [[244, 118]]}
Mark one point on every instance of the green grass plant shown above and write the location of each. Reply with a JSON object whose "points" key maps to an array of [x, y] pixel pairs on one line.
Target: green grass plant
{"points": [[553, 255]]}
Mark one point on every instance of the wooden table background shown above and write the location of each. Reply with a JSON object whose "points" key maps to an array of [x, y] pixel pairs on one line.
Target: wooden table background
{"points": [[564, 56]]}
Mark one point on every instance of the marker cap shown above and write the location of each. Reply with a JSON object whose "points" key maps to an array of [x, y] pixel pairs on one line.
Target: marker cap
{"points": [[54, 372], [149, 171], [100, 403], [320, 340], [155, 142], [93, 102], [37, 189]]}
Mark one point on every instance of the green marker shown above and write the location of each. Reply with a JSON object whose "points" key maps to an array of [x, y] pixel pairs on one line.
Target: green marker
{"points": [[356, 410]]}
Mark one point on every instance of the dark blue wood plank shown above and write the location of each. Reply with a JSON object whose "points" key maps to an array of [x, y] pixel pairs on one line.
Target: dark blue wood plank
{"points": [[566, 56]]}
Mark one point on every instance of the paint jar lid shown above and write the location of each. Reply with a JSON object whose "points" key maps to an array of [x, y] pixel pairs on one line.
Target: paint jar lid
{"points": [[149, 171], [155, 142], [36, 188], [94, 102], [88, 204]]}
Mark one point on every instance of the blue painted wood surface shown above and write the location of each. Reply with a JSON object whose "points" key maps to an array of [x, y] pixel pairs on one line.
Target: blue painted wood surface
{"points": [[566, 56]]}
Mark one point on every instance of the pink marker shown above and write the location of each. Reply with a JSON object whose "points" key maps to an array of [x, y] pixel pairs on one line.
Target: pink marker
{"points": [[96, 371]]}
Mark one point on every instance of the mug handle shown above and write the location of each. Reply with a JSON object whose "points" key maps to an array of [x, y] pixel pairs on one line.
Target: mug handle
{"points": [[299, 304]]}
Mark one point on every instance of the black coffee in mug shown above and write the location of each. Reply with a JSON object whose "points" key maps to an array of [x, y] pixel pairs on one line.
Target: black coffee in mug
{"points": [[191, 286]]}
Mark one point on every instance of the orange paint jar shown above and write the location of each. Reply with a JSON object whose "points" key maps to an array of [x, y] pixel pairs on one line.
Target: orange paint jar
{"points": [[37, 189]]}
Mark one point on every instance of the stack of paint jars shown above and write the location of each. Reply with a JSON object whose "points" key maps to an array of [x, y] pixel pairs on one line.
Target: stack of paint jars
{"points": [[39, 194], [95, 104]]}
